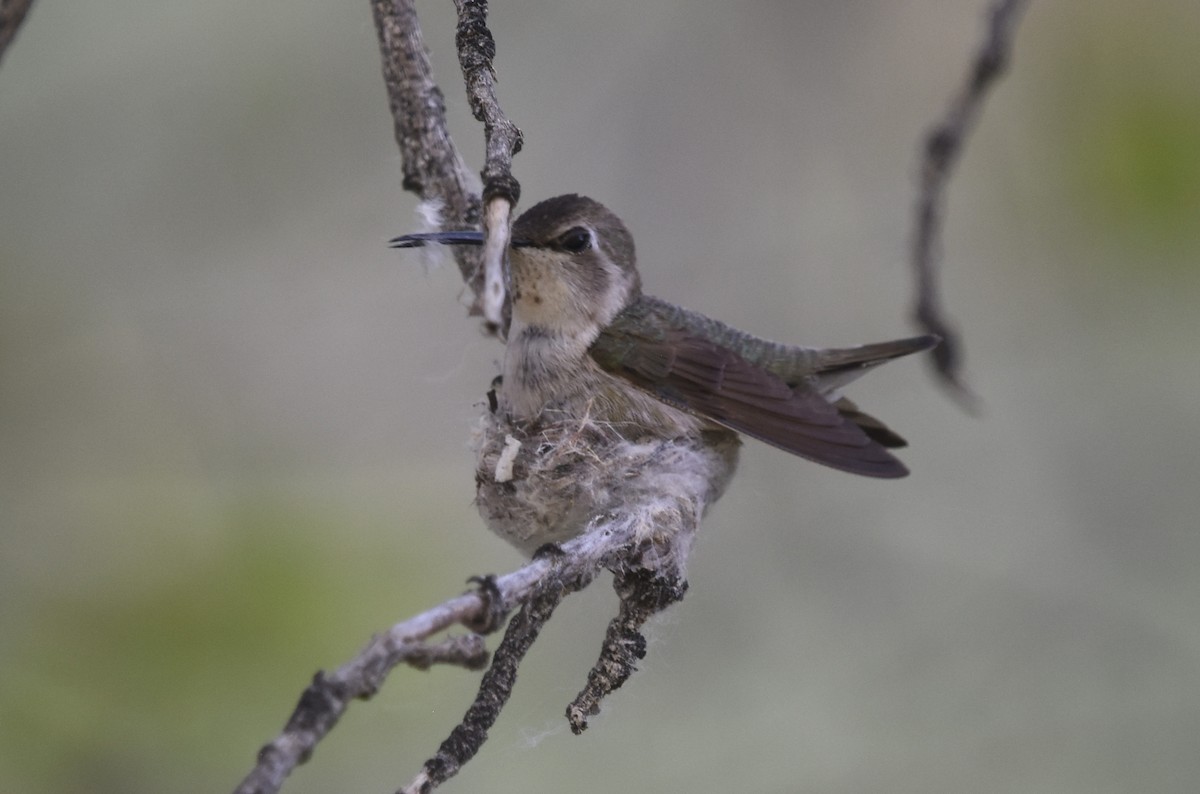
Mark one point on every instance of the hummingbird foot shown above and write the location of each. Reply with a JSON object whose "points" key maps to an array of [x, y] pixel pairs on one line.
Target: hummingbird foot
{"points": [[548, 550], [494, 611]]}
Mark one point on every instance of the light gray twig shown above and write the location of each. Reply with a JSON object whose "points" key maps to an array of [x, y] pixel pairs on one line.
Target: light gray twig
{"points": [[496, 687], [432, 166], [502, 140], [329, 695]]}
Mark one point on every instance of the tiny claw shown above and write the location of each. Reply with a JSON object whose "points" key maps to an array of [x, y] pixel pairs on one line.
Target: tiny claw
{"points": [[546, 550], [492, 398], [492, 616]]}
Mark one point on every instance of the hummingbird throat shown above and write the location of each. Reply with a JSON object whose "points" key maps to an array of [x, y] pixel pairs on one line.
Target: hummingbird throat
{"points": [[543, 365]]}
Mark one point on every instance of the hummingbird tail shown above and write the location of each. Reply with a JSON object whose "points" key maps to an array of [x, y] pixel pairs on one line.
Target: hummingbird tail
{"points": [[836, 367], [866, 356]]}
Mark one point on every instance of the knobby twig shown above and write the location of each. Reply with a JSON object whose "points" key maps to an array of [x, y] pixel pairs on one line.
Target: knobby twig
{"points": [[494, 690], [943, 145], [12, 14], [329, 695], [501, 191], [466, 651], [644, 593], [432, 166]]}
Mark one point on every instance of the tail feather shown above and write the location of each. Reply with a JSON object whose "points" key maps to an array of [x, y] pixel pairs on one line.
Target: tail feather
{"points": [[836, 367], [865, 356]]}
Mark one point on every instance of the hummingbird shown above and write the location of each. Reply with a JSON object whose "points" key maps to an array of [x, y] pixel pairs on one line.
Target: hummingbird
{"points": [[585, 341]]}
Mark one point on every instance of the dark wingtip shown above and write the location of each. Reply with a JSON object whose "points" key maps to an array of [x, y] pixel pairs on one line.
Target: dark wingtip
{"points": [[871, 461], [893, 471]]}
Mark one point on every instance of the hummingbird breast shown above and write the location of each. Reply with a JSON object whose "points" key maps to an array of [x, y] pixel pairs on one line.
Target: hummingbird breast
{"points": [[551, 372], [569, 442]]}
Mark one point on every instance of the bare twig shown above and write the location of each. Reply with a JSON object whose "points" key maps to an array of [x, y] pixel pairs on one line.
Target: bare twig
{"points": [[433, 168], [476, 51], [431, 164], [643, 593], [494, 690], [466, 650], [943, 145], [501, 191], [12, 14], [329, 695]]}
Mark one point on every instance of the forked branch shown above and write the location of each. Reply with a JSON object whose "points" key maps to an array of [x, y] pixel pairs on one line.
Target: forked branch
{"points": [[545, 580], [433, 168]]}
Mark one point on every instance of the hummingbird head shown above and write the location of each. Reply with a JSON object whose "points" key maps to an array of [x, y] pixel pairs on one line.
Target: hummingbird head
{"points": [[573, 263]]}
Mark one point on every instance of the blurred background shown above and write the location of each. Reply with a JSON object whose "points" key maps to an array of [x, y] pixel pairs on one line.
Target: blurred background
{"points": [[233, 424]]}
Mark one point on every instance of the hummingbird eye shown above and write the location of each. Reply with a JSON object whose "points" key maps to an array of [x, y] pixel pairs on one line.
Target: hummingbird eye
{"points": [[577, 239]]}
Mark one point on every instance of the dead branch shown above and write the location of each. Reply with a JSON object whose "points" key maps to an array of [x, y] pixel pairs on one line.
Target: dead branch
{"points": [[607, 544], [644, 593], [494, 690], [476, 50], [943, 145], [432, 166]]}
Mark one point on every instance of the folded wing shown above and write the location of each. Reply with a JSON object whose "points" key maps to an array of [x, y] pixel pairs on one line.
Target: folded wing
{"points": [[701, 377]]}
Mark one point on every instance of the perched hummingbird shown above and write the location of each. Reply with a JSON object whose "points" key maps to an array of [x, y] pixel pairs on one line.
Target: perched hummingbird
{"points": [[585, 342]]}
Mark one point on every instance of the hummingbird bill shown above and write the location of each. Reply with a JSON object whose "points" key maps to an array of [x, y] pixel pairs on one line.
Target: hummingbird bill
{"points": [[586, 345]]}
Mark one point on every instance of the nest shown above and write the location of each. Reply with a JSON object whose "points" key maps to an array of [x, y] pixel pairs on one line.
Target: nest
{"points": [[546, 481]]}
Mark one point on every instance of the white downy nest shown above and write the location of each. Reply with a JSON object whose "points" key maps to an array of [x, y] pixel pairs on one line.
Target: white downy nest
{"points": [[547, 481]]}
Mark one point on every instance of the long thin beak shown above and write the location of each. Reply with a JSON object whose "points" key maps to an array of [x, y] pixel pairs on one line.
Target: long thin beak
{"points": [[445, 238]]}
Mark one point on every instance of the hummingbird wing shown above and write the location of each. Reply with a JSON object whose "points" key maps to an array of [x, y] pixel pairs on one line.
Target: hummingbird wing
{"points": [[697, 375], [874, 428]]}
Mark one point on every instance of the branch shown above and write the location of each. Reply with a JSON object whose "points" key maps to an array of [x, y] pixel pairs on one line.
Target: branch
{"points": [[644, 593], [494, 690], [12, 14], [432, 166], [501, 191], [329, 695], [942, 148]]}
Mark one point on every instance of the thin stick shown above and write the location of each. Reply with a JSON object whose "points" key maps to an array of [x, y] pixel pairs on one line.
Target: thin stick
{"points": [[329, 695], [502, 140], [943, 145]]}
